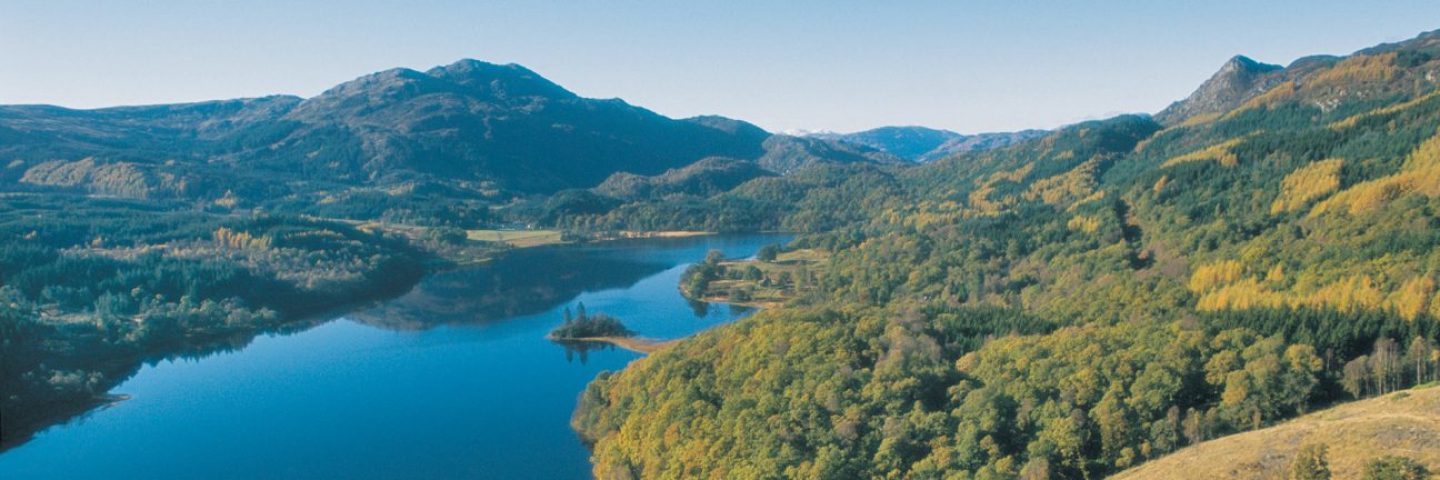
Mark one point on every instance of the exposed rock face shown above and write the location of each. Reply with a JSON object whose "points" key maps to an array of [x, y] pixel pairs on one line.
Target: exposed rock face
{"points": [[1240, 79]]}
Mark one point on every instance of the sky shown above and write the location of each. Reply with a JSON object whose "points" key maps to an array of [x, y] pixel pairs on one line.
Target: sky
{"points": [[841, 65]]}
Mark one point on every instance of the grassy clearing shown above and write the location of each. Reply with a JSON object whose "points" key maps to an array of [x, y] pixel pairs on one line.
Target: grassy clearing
{"points": [[516, 238], [779, 281], [1405, 423]]}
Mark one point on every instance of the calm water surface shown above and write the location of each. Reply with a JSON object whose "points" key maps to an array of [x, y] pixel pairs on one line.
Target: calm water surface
{"points": [[452, 380]]}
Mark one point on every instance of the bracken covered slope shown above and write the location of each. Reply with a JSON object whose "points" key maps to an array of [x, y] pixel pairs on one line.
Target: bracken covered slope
{"points": [[1405, 423]]}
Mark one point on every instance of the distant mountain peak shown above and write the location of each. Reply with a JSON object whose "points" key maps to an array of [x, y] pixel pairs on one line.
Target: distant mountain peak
{"points": [[1238, 79], [1247, 64], [924, 144], [508, 80], [467, 81]]}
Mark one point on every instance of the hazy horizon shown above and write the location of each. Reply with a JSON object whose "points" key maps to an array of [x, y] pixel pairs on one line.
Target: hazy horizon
{"points": [[964, 66]]}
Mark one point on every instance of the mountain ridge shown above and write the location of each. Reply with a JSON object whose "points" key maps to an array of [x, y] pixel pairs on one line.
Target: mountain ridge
{"points": [[920, 144], [494, 131]]}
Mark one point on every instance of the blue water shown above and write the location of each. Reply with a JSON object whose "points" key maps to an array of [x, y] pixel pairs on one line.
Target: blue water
{"points": [[452, 380]]}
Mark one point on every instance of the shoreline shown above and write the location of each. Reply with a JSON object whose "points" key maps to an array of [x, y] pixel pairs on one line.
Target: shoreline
{"points": [[663, 234], [640, 345], [23, 428]]}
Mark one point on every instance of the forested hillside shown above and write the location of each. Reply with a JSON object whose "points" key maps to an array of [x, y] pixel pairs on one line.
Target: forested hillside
{"points": [[1069, 306], [91, 288]]}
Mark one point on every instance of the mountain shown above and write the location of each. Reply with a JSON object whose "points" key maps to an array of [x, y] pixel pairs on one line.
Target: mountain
{"points": [[492, 123], [1372, 74], [909, 143], [480, 131], [921, 144], [1238, 80]]}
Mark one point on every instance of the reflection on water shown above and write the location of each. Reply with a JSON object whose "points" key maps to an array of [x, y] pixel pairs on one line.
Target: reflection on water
{"points": [[459, 382], [580, 351], [521, 283]]}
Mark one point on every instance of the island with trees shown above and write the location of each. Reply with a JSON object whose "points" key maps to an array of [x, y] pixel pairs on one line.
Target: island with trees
{"points": [[582, 326], [581, 330]]}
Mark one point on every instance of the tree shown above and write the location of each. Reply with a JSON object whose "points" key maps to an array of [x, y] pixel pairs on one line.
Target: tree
{"points": [[1385, 365], [768, 253], [1311, 463], [1356, 376], [753, 273], [1194, 426], [1419, 356], [568, 317], [1036, 469], [580, 312], [1393, 467]]}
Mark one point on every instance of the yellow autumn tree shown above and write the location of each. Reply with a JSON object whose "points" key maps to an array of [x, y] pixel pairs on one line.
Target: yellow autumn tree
{"points": [[1307, 183]]}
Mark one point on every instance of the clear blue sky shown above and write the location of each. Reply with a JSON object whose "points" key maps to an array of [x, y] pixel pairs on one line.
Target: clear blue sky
{"points": [[801, 64]]}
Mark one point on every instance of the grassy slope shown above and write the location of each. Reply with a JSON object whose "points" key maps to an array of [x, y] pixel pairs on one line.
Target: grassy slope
{"points": [[1406, 423]]}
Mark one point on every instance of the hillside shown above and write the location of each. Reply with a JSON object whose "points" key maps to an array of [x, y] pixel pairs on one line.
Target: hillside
{"points": [[704, 178], [1073, 305], [1405, 423]]}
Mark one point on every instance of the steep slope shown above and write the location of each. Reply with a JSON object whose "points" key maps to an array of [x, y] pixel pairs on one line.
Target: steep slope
{"points": [[1238, 80], [1405, 423]]}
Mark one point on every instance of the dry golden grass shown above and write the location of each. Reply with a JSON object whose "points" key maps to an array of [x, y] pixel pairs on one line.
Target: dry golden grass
{"points": [[1405, 423]]}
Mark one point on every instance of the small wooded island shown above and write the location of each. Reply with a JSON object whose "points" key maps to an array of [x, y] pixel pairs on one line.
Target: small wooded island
{"points": [[601, 328], [582, 327]]}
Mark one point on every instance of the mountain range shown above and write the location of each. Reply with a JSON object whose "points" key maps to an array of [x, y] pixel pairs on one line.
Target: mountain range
{"points": [[922, 144], [474, 129]]}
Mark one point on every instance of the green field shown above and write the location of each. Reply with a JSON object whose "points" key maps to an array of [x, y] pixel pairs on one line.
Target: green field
{"points": [[516, 238]]}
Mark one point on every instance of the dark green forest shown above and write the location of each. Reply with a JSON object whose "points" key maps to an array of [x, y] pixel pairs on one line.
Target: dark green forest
{"points": [[92, 288]]}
